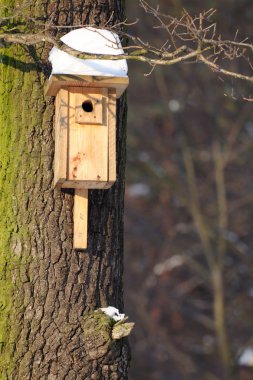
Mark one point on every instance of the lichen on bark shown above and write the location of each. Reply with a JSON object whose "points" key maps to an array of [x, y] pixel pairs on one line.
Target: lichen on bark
{"points": [[102, 333], [14, 151], [97, 328], [108, 354]]}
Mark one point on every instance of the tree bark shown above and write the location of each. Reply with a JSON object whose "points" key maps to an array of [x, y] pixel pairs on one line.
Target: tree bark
{"points": [[46, 287]]}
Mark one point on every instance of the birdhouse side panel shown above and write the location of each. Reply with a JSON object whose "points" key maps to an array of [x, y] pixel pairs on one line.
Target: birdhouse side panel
{"points": [[88, 142], [61, 137], [111, 138]]}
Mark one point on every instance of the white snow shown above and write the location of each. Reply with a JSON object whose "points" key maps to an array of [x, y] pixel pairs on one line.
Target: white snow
{"points": [[169, 264], [113, 313], [246, 358], [138, 190], [94, 41]]}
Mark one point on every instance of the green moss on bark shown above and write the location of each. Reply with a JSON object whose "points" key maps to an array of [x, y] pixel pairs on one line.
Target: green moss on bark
{"points": [[17, 122]]}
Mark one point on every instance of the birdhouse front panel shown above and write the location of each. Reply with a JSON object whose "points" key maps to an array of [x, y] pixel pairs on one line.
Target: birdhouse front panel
{"points": [[85, 138], [88, 135]]}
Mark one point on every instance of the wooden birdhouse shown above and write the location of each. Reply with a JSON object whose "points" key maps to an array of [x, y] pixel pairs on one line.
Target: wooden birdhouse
{"points": [[85, 137]]}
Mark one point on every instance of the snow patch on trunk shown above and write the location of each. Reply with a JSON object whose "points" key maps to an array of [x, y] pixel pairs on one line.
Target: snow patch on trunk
{"points": [[113, 313], [246, 357]]}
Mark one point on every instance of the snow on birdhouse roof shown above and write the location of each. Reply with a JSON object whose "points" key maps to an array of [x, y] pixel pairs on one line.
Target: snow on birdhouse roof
{"points": [[94, 41]]}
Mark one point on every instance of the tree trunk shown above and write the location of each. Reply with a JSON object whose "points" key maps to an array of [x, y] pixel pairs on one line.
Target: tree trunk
{"points": [[46, 287]]}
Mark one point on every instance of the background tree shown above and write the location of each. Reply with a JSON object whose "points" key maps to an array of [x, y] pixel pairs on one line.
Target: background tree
{"points": [[46, 287], [196, 117]]}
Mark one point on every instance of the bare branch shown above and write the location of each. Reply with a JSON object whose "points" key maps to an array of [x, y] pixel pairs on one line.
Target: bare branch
{"points": [[190, 39]]}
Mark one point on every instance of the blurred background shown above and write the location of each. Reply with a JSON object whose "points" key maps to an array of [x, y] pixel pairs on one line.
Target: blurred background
{"points": [[189, 209]]}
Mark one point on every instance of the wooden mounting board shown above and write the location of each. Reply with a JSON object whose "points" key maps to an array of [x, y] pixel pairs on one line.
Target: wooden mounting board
{"points": [[57, 81], [80, 219]]}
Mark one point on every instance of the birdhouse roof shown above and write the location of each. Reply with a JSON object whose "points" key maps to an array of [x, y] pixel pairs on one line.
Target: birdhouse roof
{"points": [[70, 70], [93, 41]]}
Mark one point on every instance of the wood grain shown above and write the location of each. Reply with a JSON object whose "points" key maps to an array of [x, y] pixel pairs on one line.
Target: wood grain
{"points": [[80, 219], [58, 81], [111, 137], [61, 137], [88, 143]]}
